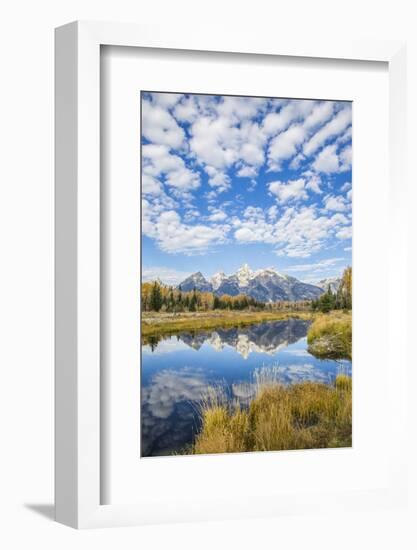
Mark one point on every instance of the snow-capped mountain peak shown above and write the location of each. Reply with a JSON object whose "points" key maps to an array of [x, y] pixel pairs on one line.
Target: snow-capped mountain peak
{"points": [[197, 281], [217, 279], [265, 285], [268, 271], [244, 274]]}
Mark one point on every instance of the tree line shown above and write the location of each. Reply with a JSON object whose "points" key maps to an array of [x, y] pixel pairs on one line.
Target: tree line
{"points": [[342, 299], [158, 297]]}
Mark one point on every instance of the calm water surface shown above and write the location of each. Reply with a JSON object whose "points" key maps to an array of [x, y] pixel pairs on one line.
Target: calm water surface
{"points": [[177, 370]]}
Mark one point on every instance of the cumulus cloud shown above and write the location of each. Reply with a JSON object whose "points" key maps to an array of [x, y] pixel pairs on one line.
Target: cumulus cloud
{"points": [[157, 160], [195, 148], [336, 203], [313, 182], [298, 232], [346, 158], [344, 233], [216, 214], [286, 191], [167, 275], [293, 110], [333, 128], [247, 172], [284, 146], [329, 160], [173, 236], [150, 185], [159, 126]]}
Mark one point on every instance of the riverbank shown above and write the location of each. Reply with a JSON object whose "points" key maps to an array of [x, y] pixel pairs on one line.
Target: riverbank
{"points": [[306, 415], [330, 335], [154, 324]]}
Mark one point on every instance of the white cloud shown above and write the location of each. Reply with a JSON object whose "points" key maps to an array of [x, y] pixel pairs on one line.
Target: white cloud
{"points": [[159, 126], [213, 141], [234, 137], [286, 191], [218, 179], [191, 215], [321, 265], [247, 172], [186, 110], [167, 275], [157, 160], [337, 125], [165, 99], [346, 136], [220, 142], [330, 161], [345, 233], [327, 160], [284, 145], [297, 161], [320, 114], [346, 158], [217, 215], [313, 183], [272, 212], [335, 203], [299, 232], [240, 108], [339, 219], [173, 236], [293, 111], [293, 125], [150, 185]]}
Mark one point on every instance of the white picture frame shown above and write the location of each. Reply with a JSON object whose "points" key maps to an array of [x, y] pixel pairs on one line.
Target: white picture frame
{"points": [[78, 405]]}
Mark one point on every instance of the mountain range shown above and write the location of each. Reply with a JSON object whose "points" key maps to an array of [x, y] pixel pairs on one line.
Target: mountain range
{"points": [[264, 285]]}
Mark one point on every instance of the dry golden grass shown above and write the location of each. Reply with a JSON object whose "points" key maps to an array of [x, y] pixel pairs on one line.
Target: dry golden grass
{"points": [[302, 416], [330, 335]]}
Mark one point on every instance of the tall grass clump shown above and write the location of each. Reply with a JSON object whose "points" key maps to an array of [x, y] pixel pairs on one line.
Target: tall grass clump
{"points": [[330, 335], [300, 416]]}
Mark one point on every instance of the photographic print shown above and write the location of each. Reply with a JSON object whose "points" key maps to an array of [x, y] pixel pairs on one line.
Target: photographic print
{"points": [[246, 277]]}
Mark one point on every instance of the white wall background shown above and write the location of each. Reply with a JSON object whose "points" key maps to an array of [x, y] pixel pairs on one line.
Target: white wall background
{"points": [[26, 269]]}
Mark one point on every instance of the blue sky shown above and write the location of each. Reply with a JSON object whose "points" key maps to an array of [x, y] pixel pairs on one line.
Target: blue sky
{"points": [[231, 180]]}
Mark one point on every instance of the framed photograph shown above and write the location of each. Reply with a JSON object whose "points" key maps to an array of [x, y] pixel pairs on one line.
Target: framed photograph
{"points": [[248, 358], [228, 213]]}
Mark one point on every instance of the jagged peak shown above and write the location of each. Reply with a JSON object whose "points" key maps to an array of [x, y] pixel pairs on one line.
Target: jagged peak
{"points": [[272, 270], [197, 274], [267, 285], [245, 268]]}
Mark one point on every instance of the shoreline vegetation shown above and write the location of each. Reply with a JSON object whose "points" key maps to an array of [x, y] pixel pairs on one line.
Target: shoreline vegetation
{"points": [[274, 417], [329, 335], [154, 324], [167, 311], [306, 415]]}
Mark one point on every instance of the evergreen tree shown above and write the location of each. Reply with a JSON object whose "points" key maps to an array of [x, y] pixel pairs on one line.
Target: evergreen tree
{"points": [[193, 301], [156, 297]]}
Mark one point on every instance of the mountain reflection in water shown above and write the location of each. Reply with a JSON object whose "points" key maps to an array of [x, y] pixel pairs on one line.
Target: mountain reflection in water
{"points": [[177, 370], [262, 338]]}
